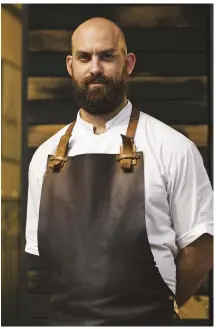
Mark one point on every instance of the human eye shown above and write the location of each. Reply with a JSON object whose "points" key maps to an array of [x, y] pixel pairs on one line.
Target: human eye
{"points": [[107, 56], [83, 57]]}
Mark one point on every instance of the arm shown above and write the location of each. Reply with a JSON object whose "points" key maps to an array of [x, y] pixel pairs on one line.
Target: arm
{"points": [[193, 263], [192, 216]]}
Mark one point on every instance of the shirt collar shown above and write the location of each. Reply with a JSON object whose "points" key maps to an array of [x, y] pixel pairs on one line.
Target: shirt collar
{"points": [[117, 120]]}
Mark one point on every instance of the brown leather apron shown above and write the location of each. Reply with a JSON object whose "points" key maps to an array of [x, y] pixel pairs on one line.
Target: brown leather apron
{"points": [[92, 237]]}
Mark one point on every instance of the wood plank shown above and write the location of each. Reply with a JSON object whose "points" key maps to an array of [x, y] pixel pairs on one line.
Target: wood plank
{"points": [[143, 87], [162, 64], [162, 15], [170, 112], [30, 153], [40, 133], [68, 16], [10, 180], [205, 152], [11, 46], [141, 39], [11, 111]]}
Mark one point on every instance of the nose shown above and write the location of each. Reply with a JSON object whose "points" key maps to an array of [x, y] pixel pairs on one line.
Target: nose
{"points": [[95, 66]]}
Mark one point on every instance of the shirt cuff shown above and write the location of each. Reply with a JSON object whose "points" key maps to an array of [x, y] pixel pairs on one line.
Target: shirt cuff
{"points": [[31, 250], [200, 229]]}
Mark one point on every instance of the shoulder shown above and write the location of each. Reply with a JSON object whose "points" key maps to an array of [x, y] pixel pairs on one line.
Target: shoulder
{"points": [[167, 145], [161, 136], [39, 159]]}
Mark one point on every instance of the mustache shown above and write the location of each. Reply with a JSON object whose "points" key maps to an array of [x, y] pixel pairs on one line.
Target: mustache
{"points": [[96, 79]]}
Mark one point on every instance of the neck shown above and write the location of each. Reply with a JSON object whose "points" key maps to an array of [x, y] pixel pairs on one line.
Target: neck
{"points": [[99, 121]]}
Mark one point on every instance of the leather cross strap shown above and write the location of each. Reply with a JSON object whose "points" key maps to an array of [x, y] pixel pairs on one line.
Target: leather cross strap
{"points": [[127, 155]]}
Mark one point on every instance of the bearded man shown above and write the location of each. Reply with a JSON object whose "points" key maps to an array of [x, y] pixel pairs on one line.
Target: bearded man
{"points": [[119, 204]]}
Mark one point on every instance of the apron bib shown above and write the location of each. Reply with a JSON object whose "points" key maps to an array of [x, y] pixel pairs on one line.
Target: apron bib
{"points": [[92, 237]]}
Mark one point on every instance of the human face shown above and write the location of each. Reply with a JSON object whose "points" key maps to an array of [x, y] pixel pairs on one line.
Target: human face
{"points": [[98, 71], [100, 95]]}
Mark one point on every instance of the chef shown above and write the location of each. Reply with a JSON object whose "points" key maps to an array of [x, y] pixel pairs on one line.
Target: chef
{"points": [[119, 204]]}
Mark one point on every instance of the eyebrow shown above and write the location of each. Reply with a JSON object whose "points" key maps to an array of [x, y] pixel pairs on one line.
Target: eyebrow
{"points": [[82, 52]]}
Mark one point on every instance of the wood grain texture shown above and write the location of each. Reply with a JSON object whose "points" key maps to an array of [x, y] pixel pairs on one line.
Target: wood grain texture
{"points": [[11, 111], [10, 180], [69, 16], [11, 46], [139, 39], [141, 87], [171, 112], [40, 133], [152, 63]]}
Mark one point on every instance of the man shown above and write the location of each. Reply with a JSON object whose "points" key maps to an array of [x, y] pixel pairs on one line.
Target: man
{"points": [[123, 221]]}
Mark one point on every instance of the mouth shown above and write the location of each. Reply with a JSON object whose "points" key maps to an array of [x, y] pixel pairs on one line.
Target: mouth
{"points": [[96, 84]]}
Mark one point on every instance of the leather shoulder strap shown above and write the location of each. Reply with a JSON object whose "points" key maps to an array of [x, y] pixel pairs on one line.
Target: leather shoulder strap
{"points": [[61, 153], [132, 126], [60, 157], [128, 156]]}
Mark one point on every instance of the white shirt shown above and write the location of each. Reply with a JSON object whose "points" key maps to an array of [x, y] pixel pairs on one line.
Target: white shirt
{"points": [[178, 194]]}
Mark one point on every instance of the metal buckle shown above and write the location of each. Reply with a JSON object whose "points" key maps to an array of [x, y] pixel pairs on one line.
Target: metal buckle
{"points": [[128, 156], [64, 159], [56, 162]]}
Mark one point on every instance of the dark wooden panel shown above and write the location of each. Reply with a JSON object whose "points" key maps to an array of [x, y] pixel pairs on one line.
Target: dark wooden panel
{"points": [[139, 39], [170, 112], [40, 133], [204, 151], [68, 16], [30, 153], [168, 64], [37, 306], [175, 112], [140, 88]]}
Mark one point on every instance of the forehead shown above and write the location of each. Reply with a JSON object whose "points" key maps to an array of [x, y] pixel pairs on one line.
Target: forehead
{"points": [[96, 39]]}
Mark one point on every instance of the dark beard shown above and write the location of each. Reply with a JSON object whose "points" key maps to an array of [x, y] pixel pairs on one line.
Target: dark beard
{"points": [[102, 99]]}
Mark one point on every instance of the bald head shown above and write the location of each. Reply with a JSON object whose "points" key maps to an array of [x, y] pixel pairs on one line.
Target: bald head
{"points": [[96, 29]]}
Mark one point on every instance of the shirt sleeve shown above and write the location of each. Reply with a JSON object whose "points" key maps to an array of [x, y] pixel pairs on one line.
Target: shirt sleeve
{"points": [[191, 197], [34, 193]]}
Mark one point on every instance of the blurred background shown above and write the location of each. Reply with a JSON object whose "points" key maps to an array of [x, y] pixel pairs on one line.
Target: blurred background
{"points": [[172, 81]]}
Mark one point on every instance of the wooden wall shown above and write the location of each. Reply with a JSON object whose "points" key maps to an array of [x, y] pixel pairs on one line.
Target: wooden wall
{"points": [[11, 75], [171, 77]]}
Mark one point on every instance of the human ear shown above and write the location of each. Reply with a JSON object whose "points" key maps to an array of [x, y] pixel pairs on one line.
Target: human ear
{"points": [[69, 60], [130, 60]]}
